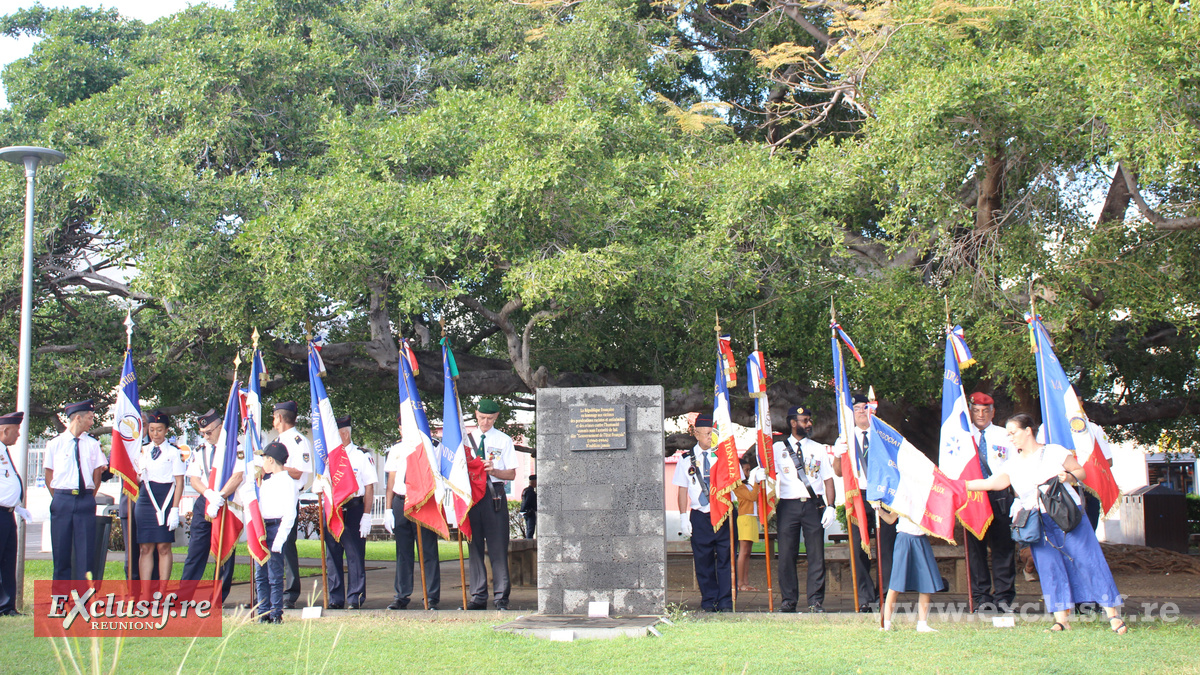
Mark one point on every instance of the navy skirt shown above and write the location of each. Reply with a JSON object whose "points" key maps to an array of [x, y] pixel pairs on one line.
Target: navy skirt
{"points": [[914, 569], [148, 529], [1072, 568]]}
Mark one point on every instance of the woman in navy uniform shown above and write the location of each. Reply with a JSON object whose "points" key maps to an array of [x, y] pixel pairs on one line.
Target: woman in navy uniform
{"points": [[73, 464], [160, 470]]}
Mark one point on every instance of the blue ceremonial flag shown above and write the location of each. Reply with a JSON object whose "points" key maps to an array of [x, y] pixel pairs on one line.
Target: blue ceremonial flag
{"points": [[957, 455], [453, 463], [1063, 418], [330, 461], [902, 478]]}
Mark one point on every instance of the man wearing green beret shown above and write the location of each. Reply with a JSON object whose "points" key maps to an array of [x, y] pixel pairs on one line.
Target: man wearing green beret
{"points": [[489, 517]]}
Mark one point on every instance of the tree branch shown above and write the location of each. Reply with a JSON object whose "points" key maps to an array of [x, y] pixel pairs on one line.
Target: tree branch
{"points": [[1157, 219]]}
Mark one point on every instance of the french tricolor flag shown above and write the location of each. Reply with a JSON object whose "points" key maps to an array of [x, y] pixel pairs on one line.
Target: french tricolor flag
{"points": [[958, 456], [454, 463], [902, 478], [756, 382], [337, 483], [256, 532], [421, 484], [227, 526]]}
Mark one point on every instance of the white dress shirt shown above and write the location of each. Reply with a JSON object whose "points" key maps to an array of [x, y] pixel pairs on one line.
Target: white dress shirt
{"points": [[299, 455], [999, 448], [277, 497], [684, 477], [10, 480], [60, 458], [162, 470], [203, 464], [363, 467], [817, 467], [498, 447], [397, 463]]}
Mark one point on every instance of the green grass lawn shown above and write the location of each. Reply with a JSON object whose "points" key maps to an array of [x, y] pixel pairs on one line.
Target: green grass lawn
{"points": [[458, 642], [376, 550]]}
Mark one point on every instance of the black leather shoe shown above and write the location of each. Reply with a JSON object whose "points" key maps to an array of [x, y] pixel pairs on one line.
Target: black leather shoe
{"points": [[289, 604], [433, 608], [399, 603], [277, 620], [816, 609], [476, 605], [355, 605], [336, 605], [864, 609], [788, 608]]}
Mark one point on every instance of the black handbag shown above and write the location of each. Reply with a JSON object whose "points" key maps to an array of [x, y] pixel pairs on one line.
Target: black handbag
{"points": [[1057, 502], [1027, 526]]}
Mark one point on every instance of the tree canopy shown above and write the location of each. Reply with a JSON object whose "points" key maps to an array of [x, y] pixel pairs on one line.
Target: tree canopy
{"points": [[572, 192]]}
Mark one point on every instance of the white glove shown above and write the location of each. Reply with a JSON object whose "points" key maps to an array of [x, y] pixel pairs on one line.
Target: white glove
{"points": [[829, 517], [757, 475], [839, 446], [211, 510], [364, 527], [173, 518], [685, 525], [214, 497], [389, 520], [277, 545], [24, 513]]}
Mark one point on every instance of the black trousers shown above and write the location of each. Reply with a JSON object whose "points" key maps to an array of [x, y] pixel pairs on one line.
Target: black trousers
{"points": [[885, 540], [291, 564], [489, 535], [73, 533], [406, 532], [530, 524], [8, 562], [199, 546], [793, 518], [710, 555], [995, 583], [353, 548]]}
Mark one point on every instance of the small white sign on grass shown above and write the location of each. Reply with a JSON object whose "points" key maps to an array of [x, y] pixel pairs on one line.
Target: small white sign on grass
{"points": [[1004, 622], [311, 612], [562, 636], [598, 610]]}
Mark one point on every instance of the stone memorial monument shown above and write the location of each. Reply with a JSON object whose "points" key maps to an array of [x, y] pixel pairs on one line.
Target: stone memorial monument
{"points": [[601, 533]]}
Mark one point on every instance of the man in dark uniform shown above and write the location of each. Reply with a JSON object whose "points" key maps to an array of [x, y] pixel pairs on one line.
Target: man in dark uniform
{"points": [[806, 494], [710, 548], [12, 501], [74, 463], [200, 471], [886, 536], [489, 516], [299, 468], [350, 589], [529, 506], [992, 588]]}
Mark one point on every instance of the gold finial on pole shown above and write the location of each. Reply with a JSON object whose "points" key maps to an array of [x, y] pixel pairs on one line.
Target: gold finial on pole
{"points": [[254, 339]]}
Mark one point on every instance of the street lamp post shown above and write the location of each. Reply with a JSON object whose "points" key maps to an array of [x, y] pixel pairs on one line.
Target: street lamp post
{"points": [[30, 158]]}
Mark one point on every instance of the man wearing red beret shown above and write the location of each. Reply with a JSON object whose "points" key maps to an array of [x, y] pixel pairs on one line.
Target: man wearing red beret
{"points": [[992, 588]]}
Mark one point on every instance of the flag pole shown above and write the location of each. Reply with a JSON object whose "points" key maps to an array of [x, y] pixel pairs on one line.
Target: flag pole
{"points": [[966, 533], [254, 586], [851, 519], [222, 515], [320, 506], [732, 556], [421, 563], [129, 520], [762, 493], [872, 404], [462, 568]]}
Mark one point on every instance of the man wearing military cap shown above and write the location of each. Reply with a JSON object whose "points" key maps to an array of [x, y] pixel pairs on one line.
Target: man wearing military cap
{"points": [[992, 588], [806, 495], [352, 590], [489, 517], [12, 501], [710, 548], [299, 467], [73, 464], [201, 474]]}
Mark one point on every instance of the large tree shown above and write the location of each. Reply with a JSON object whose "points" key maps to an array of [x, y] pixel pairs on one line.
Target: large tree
{"points": [[573, 191]]}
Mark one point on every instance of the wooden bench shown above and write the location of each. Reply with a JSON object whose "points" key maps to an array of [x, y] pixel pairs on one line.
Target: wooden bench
{"points": [[951, 563]]}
